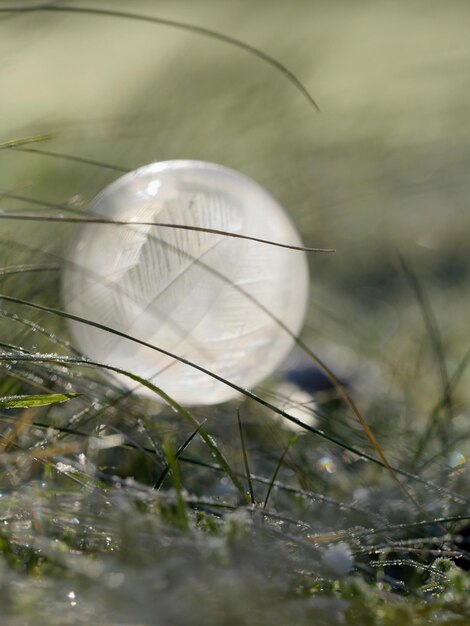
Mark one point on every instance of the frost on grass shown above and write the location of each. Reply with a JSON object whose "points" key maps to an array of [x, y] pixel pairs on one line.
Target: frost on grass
{"points": [[115, 511]]}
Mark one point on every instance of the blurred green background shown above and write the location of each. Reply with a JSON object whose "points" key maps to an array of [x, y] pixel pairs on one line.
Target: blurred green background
{"points": [[382, 169]]}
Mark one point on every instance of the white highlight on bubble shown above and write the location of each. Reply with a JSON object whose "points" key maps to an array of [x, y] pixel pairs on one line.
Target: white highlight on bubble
{"points": [[212, 299]]}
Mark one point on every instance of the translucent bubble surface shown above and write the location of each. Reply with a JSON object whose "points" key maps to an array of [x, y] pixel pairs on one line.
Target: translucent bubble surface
{"points": [[215, 300]]}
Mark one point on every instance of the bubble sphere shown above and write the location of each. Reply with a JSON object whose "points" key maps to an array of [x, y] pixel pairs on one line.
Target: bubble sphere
{"points": [[215, 300]]}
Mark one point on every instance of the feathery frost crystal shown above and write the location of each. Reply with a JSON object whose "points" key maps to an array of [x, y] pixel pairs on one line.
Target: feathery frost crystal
{"points": [[210, 298]]}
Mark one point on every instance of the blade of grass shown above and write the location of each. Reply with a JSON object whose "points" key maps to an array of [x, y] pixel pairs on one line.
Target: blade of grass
{"points": [[28, 269], [245, 460], [454, 381], [22, 402], [197, 229], [36, 201], [191, 28], [272, 482], [443, 491], [24, 141], [177, 484], [200, 368], [145, 422], [178, 453], [170, 401], [432, 328], [66, 157]]}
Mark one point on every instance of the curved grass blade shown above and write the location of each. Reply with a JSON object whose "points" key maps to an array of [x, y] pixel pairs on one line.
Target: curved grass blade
{"points": [[200, 368], [27, 269], [197, 229], [330, 375], [37, 201], [42, 399], [192, 28], [66, 157], [86, 362], [25, 141], [168, 399]]}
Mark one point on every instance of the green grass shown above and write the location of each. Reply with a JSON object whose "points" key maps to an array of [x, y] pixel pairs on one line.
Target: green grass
{"points": [[120, 510]]}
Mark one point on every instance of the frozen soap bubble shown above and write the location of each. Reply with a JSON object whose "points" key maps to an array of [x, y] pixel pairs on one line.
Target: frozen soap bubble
{"points": [[207, 297]]}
